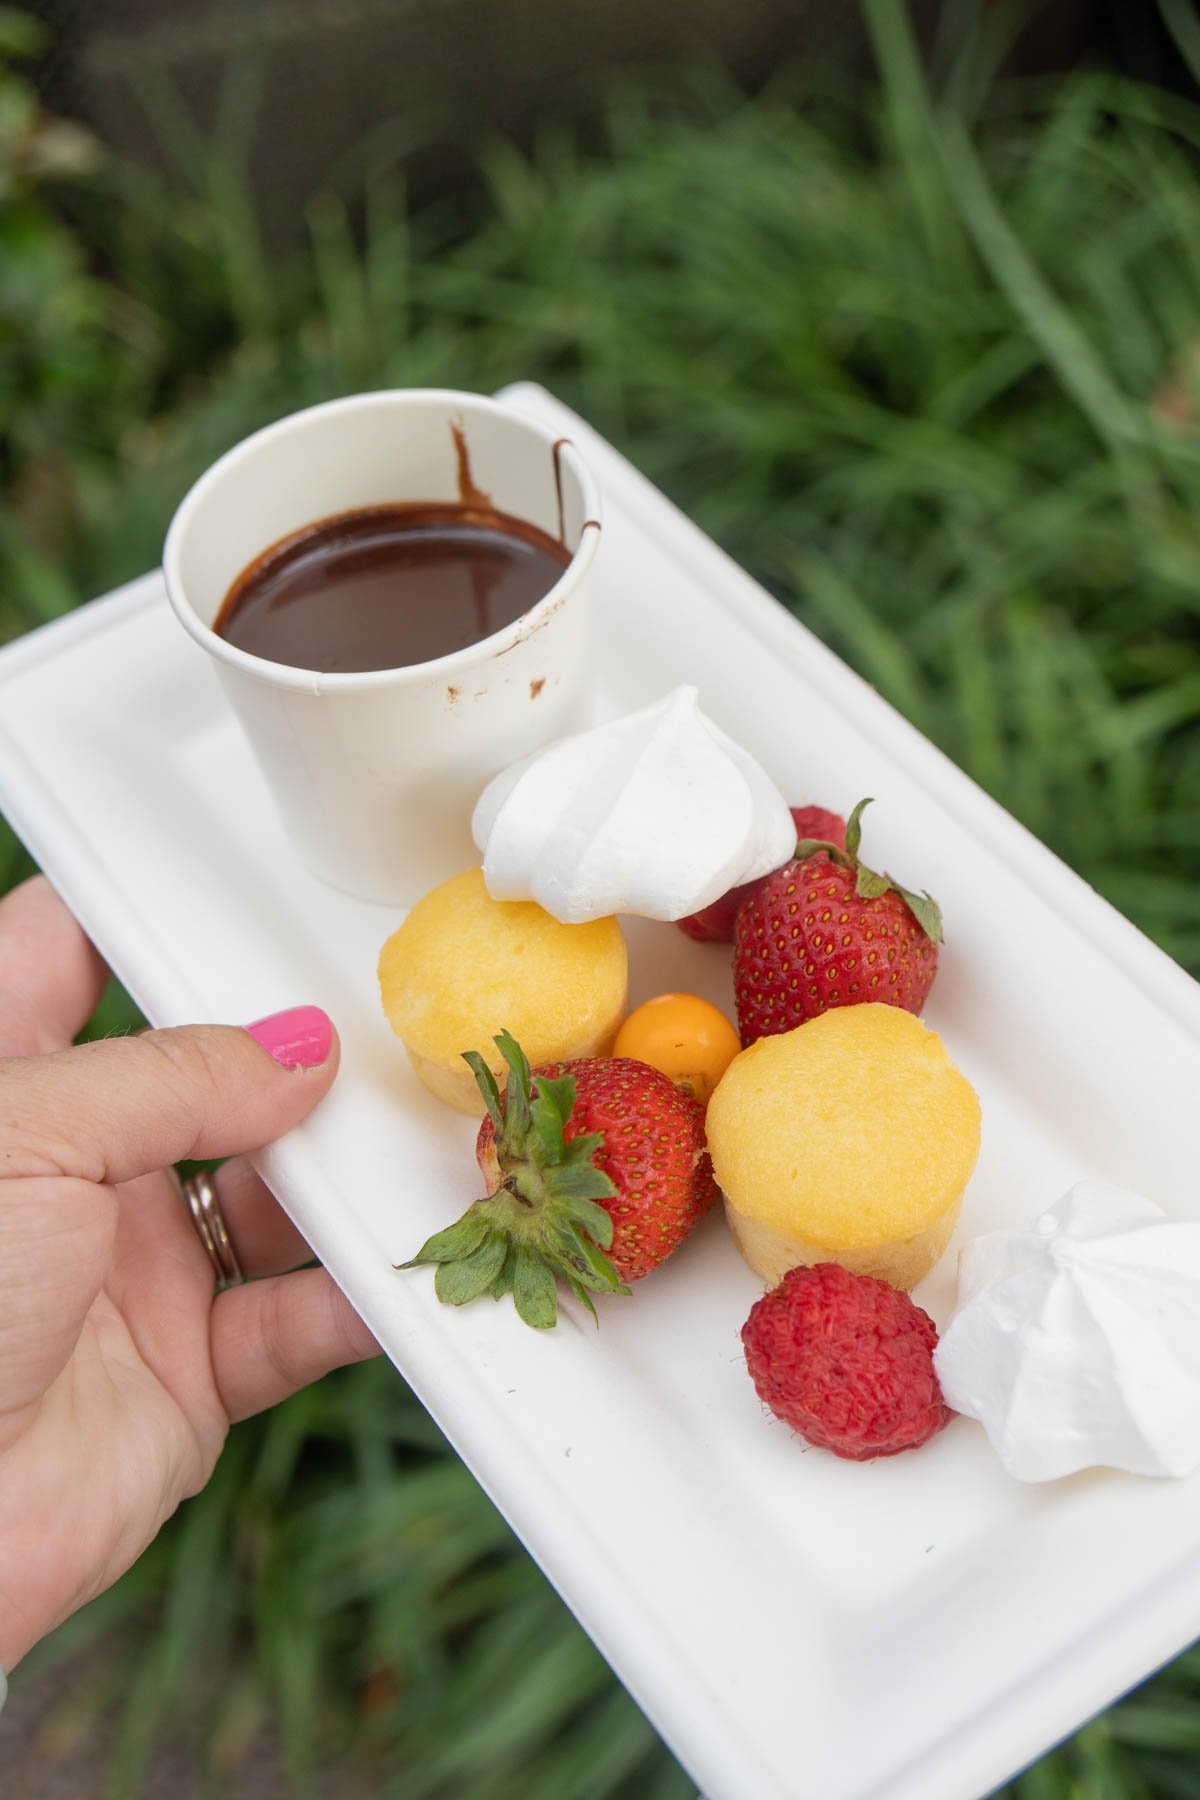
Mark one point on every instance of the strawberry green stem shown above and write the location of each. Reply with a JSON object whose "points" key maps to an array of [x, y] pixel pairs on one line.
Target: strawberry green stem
{"points": [[542, 1225], [867, 884]]}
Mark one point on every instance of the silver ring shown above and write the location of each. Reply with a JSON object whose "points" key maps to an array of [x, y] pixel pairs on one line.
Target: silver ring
{"points": [[211, 1229]]}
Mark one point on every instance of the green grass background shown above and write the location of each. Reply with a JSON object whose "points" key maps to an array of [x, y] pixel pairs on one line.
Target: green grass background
{"points": [[924, 354]]}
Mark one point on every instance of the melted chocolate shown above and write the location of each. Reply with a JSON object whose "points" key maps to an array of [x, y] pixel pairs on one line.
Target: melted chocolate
{"points": [[389, 586]]}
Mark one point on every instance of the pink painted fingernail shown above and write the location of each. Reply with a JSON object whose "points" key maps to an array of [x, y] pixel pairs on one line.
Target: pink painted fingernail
{"points": [[300, 1038]]}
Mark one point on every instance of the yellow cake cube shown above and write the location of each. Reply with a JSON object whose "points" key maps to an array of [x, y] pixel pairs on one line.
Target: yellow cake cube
{"points": [[463, 967], [848, 1140]]}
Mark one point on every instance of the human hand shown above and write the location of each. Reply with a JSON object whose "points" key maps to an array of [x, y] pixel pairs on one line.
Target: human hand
{"points": [[120, 1368]]}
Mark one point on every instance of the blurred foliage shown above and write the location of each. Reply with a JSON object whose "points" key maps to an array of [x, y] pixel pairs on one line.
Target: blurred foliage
{"points": [[344, 1584], [925, 357]]}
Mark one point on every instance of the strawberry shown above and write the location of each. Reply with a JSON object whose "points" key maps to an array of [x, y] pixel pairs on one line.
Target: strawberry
{"points": [[847, 1361], [596, 1170], [714, 924], [827, 931], [818, 822]]}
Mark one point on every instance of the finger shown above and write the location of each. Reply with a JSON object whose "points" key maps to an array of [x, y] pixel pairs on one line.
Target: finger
{"points": [[264, 1239], [120, 1108], [271, 1338], [51, 977]]}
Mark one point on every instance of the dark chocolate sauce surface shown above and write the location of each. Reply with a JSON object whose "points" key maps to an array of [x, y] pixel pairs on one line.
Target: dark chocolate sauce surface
{"points": [[389, 586]]}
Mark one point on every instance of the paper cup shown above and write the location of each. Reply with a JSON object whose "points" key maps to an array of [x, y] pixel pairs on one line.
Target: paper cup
{"points": [[375, 774]]}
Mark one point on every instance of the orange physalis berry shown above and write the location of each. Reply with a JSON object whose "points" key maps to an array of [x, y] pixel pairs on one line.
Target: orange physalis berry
{"points": [[683, 1036]]}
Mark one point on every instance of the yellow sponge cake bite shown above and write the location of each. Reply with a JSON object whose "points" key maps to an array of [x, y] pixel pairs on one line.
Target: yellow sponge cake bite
{"points": [[847, 1140], [463, 967]]}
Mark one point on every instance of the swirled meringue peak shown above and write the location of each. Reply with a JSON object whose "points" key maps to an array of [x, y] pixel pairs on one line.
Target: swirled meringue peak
{"points": [[1076, 1342], [656, 813]]}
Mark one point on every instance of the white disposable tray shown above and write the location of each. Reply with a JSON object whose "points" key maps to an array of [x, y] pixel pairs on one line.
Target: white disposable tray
{"points": [[798, 1628]]}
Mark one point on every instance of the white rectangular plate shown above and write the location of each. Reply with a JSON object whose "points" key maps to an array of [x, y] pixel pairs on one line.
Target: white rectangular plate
{"points": [[798, 1628]]}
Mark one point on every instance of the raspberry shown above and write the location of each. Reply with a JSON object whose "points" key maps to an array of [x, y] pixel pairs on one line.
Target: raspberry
{"points": [[847, 1361]]}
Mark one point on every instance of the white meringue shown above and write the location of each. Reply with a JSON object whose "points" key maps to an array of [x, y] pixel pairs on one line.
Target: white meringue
{"points": [[656, 813], [1076, 1342]]}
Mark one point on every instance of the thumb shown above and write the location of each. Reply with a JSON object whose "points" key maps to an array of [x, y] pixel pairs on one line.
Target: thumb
{"points": [[123, 1107]]}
